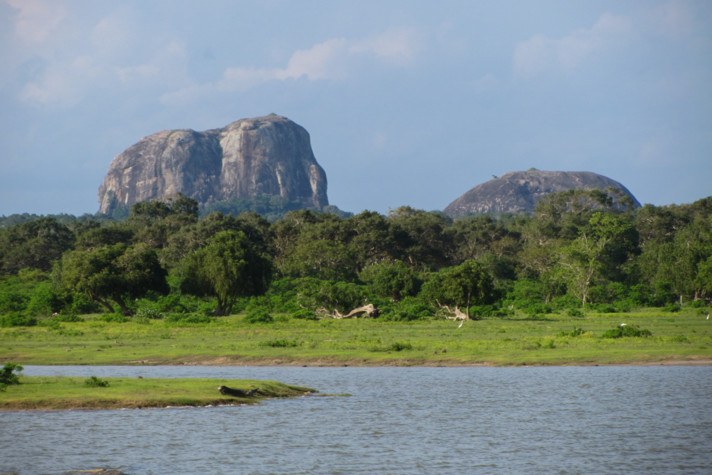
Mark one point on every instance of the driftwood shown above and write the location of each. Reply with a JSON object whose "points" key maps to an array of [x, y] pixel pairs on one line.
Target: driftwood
{"points": [[366, 311], [237, 392], [455, 314]]}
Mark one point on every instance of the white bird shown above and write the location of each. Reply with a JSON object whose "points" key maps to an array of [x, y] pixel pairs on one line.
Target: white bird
{"points": [[622, 325], [708, 316]]}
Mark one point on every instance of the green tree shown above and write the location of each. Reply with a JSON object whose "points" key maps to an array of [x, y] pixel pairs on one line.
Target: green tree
{"points": [[34, 244], [391, 279], [463, 286], [113, 274], [421, 237], [228, 267], [371, 238], [153, 222], [325, 259], [597, 253]]}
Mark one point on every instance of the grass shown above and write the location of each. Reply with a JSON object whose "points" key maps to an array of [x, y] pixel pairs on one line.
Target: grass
{"points": [[50, 393], [552, 340]]}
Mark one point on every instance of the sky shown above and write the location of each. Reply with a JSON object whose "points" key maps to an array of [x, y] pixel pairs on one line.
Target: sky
{"points": [[406, 102]]}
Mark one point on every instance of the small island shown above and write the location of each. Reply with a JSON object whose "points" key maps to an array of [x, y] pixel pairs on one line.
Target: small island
{"points": [[63, 393]]}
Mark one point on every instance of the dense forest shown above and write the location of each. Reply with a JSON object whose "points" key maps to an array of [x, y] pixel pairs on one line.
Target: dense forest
{"points": [[574, 254]]}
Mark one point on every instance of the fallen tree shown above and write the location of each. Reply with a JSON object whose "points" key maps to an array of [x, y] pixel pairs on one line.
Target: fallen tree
{"points": [[234, 392], [368, 311], [455, 314]]}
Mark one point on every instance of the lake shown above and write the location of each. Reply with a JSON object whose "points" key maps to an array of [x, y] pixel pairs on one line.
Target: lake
{"points": [[608, 419]]}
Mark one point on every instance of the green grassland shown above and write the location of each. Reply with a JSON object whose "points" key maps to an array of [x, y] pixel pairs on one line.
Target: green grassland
{"points": [[73, 393], [683, 337]]}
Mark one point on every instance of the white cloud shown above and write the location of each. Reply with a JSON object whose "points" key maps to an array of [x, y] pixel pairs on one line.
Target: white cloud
{"points": [[36, 20], [321, 61], [62, 84], [540, 53], [398, 45], [673, 18], [333, 59]]}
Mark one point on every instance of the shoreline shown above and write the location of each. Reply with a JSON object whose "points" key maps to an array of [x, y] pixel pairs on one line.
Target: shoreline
{"points": [[357, 363]]}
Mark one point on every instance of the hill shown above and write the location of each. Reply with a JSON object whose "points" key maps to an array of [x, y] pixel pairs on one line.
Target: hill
{"points": [[519, 192], [248, 159]]}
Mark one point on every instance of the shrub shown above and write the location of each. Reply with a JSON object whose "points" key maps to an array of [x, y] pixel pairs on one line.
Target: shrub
{"points": [[258, 315], [623, 330], [304, 314], [67, 317], [113, 318], [577, 331], [178, 318], [151, 313], [342, 296], [17, 319], [82, 304], [9, 374], [400, 346], [672, 307], [391, 279], [481, 311], [12, 301], [406, 310], [605, 308], [282, 343], [533, 309], [574, 312], [44, 300], [95, 382]]}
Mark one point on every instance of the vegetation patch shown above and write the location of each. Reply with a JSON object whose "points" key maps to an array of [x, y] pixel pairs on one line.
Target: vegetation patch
{"points": [[95, 382], [74, 393], [9, 374], [623, 330], [282, 343]]}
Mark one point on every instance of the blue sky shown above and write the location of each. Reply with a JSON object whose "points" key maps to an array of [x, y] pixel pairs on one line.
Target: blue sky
{"points": [[407, 102]]}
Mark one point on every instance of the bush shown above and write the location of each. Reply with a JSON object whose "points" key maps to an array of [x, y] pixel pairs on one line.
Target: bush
{"points": [[537, 309], [623, 330], [178, 318], [574, 333], [605, 308], [9, 374], [81, 304], [574, 312], [95, 382], [12, 301], [113, 318], [44, 300], [672, 307], [282, 343], [67, 318], [258, 315], [150, 313], [406, 310], [482, 311], [342, 296], [400, 346], [304, 314], [17, 319]]}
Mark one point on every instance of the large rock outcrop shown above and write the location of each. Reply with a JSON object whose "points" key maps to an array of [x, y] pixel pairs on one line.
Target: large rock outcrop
{"points": [[249, 158], [519, 192]]}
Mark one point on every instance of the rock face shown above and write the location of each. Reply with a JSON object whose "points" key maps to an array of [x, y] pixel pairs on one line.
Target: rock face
{"points": [[519, 192], [268, 155]]}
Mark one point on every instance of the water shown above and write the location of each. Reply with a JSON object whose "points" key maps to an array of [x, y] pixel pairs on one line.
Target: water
{"points": [[396, 421]]}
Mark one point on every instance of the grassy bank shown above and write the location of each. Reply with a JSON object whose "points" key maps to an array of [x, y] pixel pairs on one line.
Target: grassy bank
{"points": [[552, 339], [74, 393]]}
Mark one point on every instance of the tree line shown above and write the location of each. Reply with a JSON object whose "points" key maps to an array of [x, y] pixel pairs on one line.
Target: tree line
{"points": [[577, 251]]}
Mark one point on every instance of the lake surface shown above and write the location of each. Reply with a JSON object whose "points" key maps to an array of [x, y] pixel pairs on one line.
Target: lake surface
{"points": [[612, 419]]}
